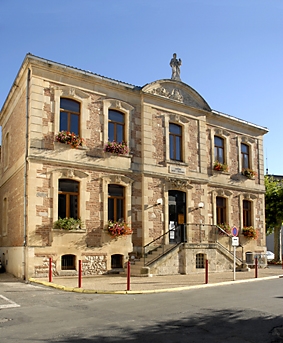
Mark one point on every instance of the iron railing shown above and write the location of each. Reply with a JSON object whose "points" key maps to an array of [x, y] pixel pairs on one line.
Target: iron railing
{"points": [[159, 246], [191, 234]]}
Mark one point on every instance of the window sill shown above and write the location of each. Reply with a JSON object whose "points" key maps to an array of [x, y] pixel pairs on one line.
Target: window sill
{"points": [[244, 177], [177, 163], [69, 231], [110, 154], [68, 146], [215, 172]]}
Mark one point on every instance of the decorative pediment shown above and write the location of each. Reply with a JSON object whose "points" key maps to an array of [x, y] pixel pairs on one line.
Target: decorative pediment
{"points": [[176, 183], [73, 92], [223, 193], [249, 196], [247, 140], [70, 173], [117, 104], [178, 92], [222, 132], [118, 179]]}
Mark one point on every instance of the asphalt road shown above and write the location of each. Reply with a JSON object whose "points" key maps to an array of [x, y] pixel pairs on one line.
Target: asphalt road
{"points": [[237, 313]]}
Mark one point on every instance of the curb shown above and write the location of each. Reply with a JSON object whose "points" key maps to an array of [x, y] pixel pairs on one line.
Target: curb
{"points": [[150, 291]]}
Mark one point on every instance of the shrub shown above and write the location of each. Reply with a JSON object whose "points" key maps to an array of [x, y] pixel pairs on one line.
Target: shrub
{"points": [[68, 224]]}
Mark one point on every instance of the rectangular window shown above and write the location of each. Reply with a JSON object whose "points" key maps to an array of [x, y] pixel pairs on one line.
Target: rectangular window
{"points": [[116, 202], [220, 210], [219, 149], [175, 142], [245, 156], [69, 115], [116, 125], [68, 196], [247, 213]]}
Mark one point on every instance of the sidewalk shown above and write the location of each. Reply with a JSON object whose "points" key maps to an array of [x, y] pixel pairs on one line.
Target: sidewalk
{"points": [[116, 284]]}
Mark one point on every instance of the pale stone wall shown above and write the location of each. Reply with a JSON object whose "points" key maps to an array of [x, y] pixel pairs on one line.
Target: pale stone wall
{"points": [[12, 259], [183, 261]]}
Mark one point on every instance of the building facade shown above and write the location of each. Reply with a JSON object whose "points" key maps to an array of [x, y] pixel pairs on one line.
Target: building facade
{"points": [[180, 166]]}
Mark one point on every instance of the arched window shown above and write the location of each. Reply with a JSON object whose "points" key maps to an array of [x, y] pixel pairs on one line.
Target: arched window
{"points": [[219, 149], [116, 126], [68, 199], [68, 262], [220, 210], [175, 142], [116, 202], [69, 115]]}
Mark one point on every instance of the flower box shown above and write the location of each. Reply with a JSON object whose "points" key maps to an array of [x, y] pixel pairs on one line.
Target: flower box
{"points": [[249, 232], [118, 228], [225, 228], [249, 173], [220, 166], [119, 148], [69, 138], [68, 224]]}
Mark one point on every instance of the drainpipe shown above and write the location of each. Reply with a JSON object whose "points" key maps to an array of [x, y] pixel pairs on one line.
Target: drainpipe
{"points": [[25, 181]]}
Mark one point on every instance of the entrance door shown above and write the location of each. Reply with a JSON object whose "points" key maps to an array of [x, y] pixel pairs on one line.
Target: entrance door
{"points": [[177, 216]]}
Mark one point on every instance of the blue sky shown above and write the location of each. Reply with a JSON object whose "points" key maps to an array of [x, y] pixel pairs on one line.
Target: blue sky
{"points": [[232, 50]]}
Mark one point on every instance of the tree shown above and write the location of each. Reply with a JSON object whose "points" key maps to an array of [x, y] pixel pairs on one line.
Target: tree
{"points": [[274, 211]]}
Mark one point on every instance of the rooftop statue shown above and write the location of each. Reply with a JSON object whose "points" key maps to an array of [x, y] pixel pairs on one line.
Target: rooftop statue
{"points": [[175, 64]]}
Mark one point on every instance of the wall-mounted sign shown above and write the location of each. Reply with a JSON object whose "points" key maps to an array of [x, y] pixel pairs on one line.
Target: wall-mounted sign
{"points": [[177, 170]]}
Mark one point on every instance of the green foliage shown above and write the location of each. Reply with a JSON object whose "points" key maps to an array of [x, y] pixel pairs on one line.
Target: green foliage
{"points": [[273, 203], [68, 224]]}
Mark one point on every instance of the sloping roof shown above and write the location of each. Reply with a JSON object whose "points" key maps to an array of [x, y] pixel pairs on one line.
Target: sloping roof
{"points": [[193, 97]]}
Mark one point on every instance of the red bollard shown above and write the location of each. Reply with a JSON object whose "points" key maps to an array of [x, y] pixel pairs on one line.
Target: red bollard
{"points": [[256, 267], [128, 275], [206, 271], [50, 269], [80, 274]]}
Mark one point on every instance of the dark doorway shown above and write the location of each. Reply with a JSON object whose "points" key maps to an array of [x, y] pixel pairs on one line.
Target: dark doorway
{"points": [[177, 216]]}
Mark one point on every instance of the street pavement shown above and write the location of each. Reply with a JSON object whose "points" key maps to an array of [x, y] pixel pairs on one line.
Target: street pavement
{"points": [[221, 311], [117, 284]]}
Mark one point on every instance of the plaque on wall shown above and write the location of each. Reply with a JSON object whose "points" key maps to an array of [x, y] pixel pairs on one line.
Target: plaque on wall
{"points": [[177, 170]]}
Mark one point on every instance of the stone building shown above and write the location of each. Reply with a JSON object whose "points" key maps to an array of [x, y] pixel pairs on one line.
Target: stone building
{"points": [[182, 169]]}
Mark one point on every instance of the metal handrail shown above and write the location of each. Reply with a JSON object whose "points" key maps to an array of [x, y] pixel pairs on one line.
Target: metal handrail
{"points": [[156, 239], [223, 231]]}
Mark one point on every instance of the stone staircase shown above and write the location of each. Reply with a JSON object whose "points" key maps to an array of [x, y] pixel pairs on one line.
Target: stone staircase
{"points": [[139, 265]]}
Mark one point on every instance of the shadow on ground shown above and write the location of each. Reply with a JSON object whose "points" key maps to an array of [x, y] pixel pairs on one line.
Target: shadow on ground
{"points": [[227, 326]]}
